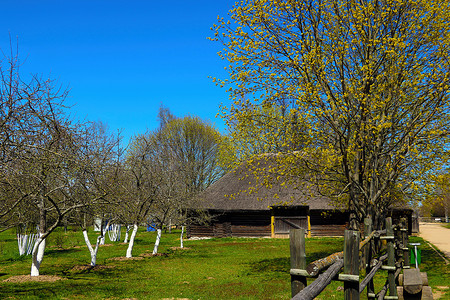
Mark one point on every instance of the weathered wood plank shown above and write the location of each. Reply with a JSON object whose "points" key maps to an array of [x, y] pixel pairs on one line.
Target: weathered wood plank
{"points": [[422, 274], [351, 263], [391, 258], [371, 274], [316, 266], [427, 293], [412, 281], [298, 259], [324, 279]]}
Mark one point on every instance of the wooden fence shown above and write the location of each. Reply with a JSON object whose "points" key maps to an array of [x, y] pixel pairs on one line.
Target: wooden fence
{"points": [[392, 260]]}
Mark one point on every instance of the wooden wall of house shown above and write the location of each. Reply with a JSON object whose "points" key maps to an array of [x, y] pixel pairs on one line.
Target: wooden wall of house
{"points": [[233, 224], [328, 222], [252, 223]]}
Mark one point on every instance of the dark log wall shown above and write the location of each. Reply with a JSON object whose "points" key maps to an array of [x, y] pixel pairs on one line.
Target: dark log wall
{"points": [[234, 224], [251, 223], [328, 222]]}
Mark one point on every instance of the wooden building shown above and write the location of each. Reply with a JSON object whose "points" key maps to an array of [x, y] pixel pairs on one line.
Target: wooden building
{"points": [[241, 207]]}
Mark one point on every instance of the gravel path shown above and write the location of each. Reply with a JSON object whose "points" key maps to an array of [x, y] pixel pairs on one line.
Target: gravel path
{"points": [[436, 234]]}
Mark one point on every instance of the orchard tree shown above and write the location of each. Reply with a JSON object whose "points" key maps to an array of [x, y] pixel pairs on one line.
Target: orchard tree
{"points": [[370, 80], [138, 184], [176, 162], [43, 165], [94, 180]]}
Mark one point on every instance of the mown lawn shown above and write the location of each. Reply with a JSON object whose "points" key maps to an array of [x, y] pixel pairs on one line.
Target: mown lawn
{"points": [[228, 268]]}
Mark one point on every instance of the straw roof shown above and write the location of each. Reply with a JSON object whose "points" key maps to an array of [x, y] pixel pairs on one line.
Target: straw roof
{"points": [[245, 188]]}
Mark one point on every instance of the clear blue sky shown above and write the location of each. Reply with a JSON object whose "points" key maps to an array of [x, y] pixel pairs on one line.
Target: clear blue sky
{"points": [[122, 59]]}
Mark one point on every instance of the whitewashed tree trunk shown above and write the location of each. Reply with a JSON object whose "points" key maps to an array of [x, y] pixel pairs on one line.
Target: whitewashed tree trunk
{"points": [[26, 243], [131, 244], [93, 251], [114, 232], [158, 239], [32, 237], [22, 242], [37, 255], [126, 233], [181, 237]]}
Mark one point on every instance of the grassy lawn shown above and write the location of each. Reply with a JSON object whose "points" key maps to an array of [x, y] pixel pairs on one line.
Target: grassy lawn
{"points": [[229, 268]]}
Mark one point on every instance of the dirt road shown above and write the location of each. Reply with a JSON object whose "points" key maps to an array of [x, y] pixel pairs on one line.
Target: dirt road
{"points": [[436, 234]]}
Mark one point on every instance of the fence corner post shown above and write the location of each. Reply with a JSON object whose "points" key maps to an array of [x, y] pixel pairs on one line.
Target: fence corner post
{"points": [[351, 263], [391, 257], [405, 241], [298, 259]]}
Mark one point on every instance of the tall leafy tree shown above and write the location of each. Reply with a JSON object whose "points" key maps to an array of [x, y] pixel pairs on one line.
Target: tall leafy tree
{"points": [[370, 79], [193, 147]]}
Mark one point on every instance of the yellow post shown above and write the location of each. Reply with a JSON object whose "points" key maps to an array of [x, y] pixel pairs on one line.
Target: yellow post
{"points": [[309, 227], [272, 226]]}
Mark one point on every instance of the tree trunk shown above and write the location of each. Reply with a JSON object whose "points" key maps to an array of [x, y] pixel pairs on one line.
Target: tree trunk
{"points": [[37, 255], [126, 233], [92, 251], [22, 242], [131, 244], [102, 233], [39, 247], [158, 239], [181, 237]]}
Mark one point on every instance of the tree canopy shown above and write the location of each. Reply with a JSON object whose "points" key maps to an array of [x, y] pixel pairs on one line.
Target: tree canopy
{"points": [[370, 80]]}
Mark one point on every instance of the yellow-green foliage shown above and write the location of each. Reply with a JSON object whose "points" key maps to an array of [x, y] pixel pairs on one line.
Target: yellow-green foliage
{"points": [[368, 82]]}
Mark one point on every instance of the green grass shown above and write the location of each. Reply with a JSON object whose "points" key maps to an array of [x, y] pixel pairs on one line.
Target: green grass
{"points": [[228, 268], [447, 225]]}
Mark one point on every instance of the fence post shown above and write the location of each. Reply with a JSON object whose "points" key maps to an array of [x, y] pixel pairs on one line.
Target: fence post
{"points": [[298, 259], [405, 249], [351, 263], [391, 257], [368, 255]]}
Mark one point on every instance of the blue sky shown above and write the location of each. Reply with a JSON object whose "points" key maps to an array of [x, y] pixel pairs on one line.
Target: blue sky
{"points": [[122, 59]]}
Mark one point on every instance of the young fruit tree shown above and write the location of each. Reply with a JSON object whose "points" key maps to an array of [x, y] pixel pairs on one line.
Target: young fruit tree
{"points": [[367, 81], [138, 183], [42, 167], [98, 151]]}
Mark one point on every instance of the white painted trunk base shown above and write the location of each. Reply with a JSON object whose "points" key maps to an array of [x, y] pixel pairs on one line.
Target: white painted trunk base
{"points": [[92, 251], [114, 232], [181, 237], [126, 233], [37, 255], [131, 244], [26, 243], [158, 239]]}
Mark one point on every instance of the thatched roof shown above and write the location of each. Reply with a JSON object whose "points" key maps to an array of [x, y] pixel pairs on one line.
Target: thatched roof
{"points": [[245, 188]]}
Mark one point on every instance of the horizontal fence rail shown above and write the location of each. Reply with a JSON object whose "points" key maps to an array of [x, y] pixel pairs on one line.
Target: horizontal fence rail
{"points": [[325, 270]]}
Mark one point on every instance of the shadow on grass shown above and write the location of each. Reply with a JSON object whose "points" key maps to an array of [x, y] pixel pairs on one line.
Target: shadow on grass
{"points": [[280, 264], [59, 252]]}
